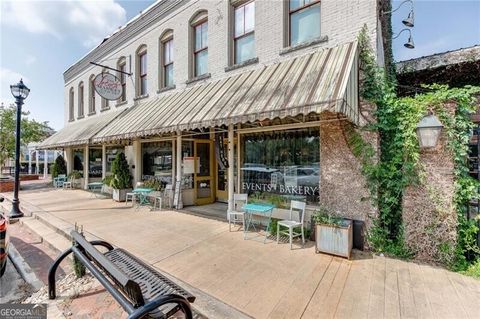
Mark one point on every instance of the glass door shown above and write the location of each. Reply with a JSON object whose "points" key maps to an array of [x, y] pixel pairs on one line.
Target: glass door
{"points": [[204, 181]]}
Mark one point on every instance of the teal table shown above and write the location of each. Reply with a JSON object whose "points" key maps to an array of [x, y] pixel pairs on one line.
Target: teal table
{"points": [[95, 187], [142, 195], [257, 209]]}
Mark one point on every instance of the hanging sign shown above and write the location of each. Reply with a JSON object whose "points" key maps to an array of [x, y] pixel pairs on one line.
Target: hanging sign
{"points": [[108, 86]]}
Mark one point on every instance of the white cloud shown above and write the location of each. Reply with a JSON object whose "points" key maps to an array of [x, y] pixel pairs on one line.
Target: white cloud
{"points": [[8, 77], [87, 21]]}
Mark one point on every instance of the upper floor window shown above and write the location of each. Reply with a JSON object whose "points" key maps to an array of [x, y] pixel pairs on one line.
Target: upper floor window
{"points": [[304, 18], [91, 94], [244, 32], [200, 44], [122, 66], [70, 105], [80, 100], [142, 71], [166, 59]]}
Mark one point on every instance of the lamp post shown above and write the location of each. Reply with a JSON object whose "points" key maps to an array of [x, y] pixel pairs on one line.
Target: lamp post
{"points": [[20, 92], [428, 131]]}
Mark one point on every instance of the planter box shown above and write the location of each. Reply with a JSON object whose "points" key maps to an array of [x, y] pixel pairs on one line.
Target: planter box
{"points": [[120, 195], [333, 239]]}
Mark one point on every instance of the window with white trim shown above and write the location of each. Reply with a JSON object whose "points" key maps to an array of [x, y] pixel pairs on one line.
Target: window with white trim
{"points": [[244, 32]]}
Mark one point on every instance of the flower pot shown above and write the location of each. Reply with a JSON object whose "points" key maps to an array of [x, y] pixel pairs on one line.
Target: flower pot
{"points": [[120, 195], [334, 239]]}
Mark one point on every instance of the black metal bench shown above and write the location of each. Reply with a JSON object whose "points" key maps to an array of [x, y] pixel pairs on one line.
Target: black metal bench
{"points": [[138, 288]]}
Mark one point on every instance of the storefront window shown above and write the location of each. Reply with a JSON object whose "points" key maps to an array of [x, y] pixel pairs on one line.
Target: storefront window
{"points": [[78, 160], [111, 153], [157, 161], [282, 165], [95, 162]]}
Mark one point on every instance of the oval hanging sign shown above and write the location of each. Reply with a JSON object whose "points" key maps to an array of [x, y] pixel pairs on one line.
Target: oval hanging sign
{"points": [[108, 86]]}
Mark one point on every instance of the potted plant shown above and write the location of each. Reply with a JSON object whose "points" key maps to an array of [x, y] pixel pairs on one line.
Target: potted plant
{"points": [[333, 235], [74, 176], [107, 181], [121, 181]]}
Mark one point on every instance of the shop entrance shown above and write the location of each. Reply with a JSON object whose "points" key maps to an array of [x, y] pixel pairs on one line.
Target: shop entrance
{"points": [[204, 184]]}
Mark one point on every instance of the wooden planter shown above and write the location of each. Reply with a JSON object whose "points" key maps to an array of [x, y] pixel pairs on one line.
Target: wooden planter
{"points": [[334, 240]]}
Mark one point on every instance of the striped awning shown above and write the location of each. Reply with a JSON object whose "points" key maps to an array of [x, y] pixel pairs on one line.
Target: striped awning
{"points": [[79, 132], [325, 80]]}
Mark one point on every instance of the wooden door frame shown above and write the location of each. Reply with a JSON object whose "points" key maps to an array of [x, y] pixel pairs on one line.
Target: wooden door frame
{"points": [[211, 177]]}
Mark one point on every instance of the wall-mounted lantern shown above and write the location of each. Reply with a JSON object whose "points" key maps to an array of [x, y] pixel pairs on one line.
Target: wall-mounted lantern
{"points": [[428, 131]]}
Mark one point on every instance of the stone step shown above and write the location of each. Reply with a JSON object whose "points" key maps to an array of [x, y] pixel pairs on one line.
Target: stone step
{"points": [[58, 225], [50, 237]]}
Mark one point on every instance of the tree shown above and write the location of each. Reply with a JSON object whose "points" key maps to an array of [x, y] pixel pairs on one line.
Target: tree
{"points": [[31, 131], [121, 172], [59, 167]]}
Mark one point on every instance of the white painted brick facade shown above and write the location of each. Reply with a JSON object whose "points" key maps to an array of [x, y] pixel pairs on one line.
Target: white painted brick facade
{"points": [[341, 21]]}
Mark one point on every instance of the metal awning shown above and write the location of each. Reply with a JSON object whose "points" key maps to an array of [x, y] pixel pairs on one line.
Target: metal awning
{"points": [[325, 80], [79, 132]]}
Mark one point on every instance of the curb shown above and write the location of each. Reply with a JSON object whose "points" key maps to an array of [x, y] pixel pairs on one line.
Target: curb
{"points": [[23, 268]]}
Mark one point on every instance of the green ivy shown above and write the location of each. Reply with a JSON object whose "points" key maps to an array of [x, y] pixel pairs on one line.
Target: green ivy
{"points": [[398, 164]]}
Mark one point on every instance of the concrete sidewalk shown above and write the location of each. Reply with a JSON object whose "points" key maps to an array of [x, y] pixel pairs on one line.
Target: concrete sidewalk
{"points": [[263, 280]]}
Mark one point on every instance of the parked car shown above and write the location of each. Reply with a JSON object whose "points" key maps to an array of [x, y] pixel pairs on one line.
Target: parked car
{"points": [[3, 240]]}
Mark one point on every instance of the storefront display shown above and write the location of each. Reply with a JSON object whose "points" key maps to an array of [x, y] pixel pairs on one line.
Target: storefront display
{"points": [[282, 163], [78, 160], [157, 161], [95, 162]]}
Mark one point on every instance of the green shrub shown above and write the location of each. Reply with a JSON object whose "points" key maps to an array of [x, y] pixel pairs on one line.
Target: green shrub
{"points": [[75, 175], [108, 180], [153, 184], [59, 167], [121, 172]]}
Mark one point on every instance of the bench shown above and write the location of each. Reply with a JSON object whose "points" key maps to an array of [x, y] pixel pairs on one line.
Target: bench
{"points": [[137, 287]]}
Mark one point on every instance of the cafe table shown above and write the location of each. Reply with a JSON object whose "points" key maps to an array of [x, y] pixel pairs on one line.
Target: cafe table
{"points": [[142, 195], [96, 188], [264, 210]]}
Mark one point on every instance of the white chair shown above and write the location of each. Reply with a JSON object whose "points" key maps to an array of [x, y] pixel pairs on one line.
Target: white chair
{"points": [[299, 207], [69, 184], [238, 201], [132, 197]]}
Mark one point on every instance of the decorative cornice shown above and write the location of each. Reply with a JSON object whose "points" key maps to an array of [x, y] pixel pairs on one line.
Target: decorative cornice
{"points": [[152, 16]]}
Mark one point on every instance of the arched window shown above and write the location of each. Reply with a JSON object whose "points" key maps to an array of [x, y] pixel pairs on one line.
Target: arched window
{"points": [[141, 70], [166, 59], [70, 105], [199, 44], [91, 95], [80, 100], [122, 66]]}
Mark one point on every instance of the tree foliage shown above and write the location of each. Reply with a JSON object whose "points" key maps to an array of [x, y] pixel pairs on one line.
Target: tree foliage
{"points": [[31, 131], [59, 167], [121, 172]]}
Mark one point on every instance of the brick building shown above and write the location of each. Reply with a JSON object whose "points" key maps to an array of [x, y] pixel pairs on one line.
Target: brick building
{"points": [[260, 91]]}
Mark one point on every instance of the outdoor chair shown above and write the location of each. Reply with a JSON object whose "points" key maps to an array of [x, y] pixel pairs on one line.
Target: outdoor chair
{"points": [[70, 183], [132, 196], [297, 207], [238, 201], [59, 180]]}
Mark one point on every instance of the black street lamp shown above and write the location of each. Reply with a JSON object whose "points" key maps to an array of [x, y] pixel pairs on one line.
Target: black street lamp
{"points": [[20, 92]]}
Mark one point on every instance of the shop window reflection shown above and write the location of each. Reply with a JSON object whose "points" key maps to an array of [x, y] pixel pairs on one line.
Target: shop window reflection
{"points": [[282, 163]]}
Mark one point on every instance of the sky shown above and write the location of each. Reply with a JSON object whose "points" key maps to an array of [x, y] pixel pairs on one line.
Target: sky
{"points": [[39, 40]]}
